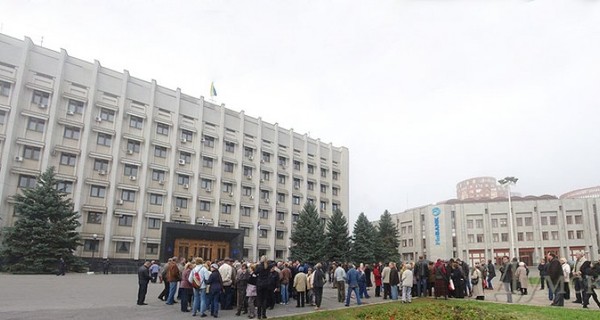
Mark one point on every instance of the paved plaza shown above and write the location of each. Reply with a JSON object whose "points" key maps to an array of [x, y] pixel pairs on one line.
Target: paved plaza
{"points": [[82, 296]]}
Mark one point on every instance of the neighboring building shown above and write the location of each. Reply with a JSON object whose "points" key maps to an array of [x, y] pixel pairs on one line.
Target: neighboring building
{"points": [[593, 192], [155, 172], [476, 230], [480, 188]]}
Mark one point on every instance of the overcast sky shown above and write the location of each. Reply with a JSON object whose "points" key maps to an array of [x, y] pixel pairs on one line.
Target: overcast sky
{"points": [[424, 93]]}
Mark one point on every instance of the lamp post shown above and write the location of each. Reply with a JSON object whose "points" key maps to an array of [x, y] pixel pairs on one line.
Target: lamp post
{"points": [[257, 237], [95, 237], [507, 182]]}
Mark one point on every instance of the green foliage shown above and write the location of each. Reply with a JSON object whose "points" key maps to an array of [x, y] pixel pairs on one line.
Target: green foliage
{"points": [[45, 230], [308, 236], [337, 238], [363, 245], [387, 239]]}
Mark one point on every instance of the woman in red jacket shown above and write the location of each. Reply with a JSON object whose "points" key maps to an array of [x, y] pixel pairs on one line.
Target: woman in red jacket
{"points": [[377, 275]]}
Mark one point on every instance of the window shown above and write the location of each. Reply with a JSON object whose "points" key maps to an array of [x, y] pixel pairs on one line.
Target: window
{"points": [[228, 166], [206, 184], [75, 106], [479, 238], [264, 214], [579, 234], [72, 133], [323, 188], [504, 237], [281, 179], [183, 179], [520, 236], [158, 175], [246, 231], [247, 171], [554, 235], [32, 153], [4, 88], [186, 135], [26, 181], [209, 141], [248, 152], [185, 156], [295, 217], [519, 222], [266, 157], [311, 185], [280, 216], [571, 235], [162, 129], [130, 170], [503, 222], [153, 223], [97, 191], [335, 175], [545, 235], [323, 205], [207, 162], [494, 223], [2, 117], [569, 219], [529, 236], [128, 195], [126, 221], [245, 211], [280, 234], [335, 207], [64, 186], [247, 191], [296, 200], [281, 197], [90, 245], [136, 122], [123, 247], [35, 124], [204, 206], [181, 202], [578, 219], [528, 221], [479, 223], [264, 175], [225, 208], [94, 217], [282, 161], [152, 248], [335, 191], [311, 169], [296, 183], [156, 199], [263, 233], [160, 152], [324, 173], [471, 238], [264, 194], [227, 187], [107, 115], [296, 165], [544, 221], [40, 98], [104, 139], [496, 237], [229, 146], [100, 165], [133, 146], [553, 220]]}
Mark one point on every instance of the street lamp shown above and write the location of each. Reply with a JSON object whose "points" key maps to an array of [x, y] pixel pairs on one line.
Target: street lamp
{"points": [[507, 182], [95, 237]]}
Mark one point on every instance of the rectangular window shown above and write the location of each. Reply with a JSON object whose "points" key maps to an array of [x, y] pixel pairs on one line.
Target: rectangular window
{"points": [[35, 124], [520, 236], [324, 173], [266, 157], [281, 197], [75, 106], [209, 141], [503, 222], [263, 233], [323, 188], [335, 175], [471, 238], [247, 171], [335, 191], [335, 207], [528, 221], [40, 98], [504, 237], [265, 175], [206, 184], [97, 191], [496, 237], [246, 231], [160, 152], [156, 199], [104, 139], [545, 235], [162, 129], [579, 219], [4, 88], [152, 248], [248, 152], [245, 211], [571, 234], [295, 217], [227, 166], [130, 170], [480, 238], [64, 186], [72, 133], [297, 165], [229, 147], [264, 214], [553, 220], [469, 224], [100, 165], [204, 206], [126, 221], [579, 234], [185, 156], [158, 175], [90, 245], [544, 221], [282, 161], [281, 179], [2, 117], [529, 236], [183, 179], [280, 216], [280, 234], [186, 135], [227, 187], [479, 223], [153, 223], [519, 222], [494, 223], [296, 183], [128, 195], [181, 202], [311, 185], [264, 194], [133, 146], [123, 247], [225, 208], [323, 205], [107, 115], [296, 200], [26, 181], [207, 162], [311, 169], [94, 217], [569, 219], [136, 122], [554, 235], [31, 153]]}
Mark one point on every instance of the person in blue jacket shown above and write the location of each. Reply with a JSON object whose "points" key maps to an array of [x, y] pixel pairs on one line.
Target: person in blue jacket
{"points": [[352, 280]]}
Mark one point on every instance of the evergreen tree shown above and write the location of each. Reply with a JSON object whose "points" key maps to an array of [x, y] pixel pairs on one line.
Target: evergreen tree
{"points": [[308, 236], [364, 240], [45, 229], [337, 238], [387, 239]]}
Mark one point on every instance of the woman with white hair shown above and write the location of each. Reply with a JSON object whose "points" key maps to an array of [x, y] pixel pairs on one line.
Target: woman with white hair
{"points": [[566, 272], [521, 275]]}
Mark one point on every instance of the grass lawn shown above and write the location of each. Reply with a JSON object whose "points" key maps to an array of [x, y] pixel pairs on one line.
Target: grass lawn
{"points": [[431, 309]]}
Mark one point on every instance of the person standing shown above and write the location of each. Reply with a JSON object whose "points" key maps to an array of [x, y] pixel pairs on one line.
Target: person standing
{"points": [[284, 279], [143, 279], [241, 283], [262, 286], [522, 278], [106, 266], [566, 277], [542, 270], [186, 287], [226, 271], [62, 267], [506, 277], [394, 281], [590, 277], [577, 276], [300, 286], [441, 280], [554, 279], [154, 268], [216, 286], [173, 276], [407, 283], [340, 278], [377, 276], [251, 292], [318, 284], [491, 274], [477, 281], [199, 271], [385, 279], [421, 272], [352, 280]]}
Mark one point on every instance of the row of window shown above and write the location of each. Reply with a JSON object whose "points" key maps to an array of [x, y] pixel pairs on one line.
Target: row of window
{"points": [[525, 236], [121, 247]]}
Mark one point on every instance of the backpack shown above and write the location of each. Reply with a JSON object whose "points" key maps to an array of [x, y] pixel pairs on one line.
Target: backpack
{"points": [[196, 280]]}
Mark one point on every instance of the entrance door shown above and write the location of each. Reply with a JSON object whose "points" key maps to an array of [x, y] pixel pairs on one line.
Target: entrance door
{"points": [[206, 249]]}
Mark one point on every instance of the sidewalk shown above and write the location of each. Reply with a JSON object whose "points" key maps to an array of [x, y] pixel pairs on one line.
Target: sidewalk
{"points": [[82, 296]]}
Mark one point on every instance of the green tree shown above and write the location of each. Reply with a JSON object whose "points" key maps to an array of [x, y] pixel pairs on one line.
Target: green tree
{"points": [[363, 245], [308, 236], [337, 238], [387, 239], [45, 229]]}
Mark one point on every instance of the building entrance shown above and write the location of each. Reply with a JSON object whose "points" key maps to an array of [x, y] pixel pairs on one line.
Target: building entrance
{"points": [[206, 249]]}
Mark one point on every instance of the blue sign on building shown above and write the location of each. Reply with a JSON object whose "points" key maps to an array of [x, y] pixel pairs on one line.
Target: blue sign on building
{"points": [[436, 224]]}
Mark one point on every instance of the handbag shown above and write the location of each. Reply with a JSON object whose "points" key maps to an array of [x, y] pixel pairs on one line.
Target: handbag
{"points": [[451, 285], [475, 281]]}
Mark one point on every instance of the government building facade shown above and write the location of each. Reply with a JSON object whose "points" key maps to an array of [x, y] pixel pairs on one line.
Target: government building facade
{"points": [[152, 171]]}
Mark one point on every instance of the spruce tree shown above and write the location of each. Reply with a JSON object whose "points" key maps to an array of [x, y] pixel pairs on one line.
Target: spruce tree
{"points": [[387, 239], [45, 229], [337, 238], [363, 244], [308, 236]]}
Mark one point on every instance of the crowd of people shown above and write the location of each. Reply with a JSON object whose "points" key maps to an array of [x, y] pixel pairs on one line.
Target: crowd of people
{"points": [[206, 287]]}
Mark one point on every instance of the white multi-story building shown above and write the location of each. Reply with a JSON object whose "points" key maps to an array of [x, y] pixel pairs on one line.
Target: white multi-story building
{"points": [[476, 230], [155, 172]]}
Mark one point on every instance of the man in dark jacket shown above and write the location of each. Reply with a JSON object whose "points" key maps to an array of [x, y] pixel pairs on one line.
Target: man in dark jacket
{"points": [[143, 279], [542, 270], [555, 279], [318, 283], [491, 274], [506, 277]]}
